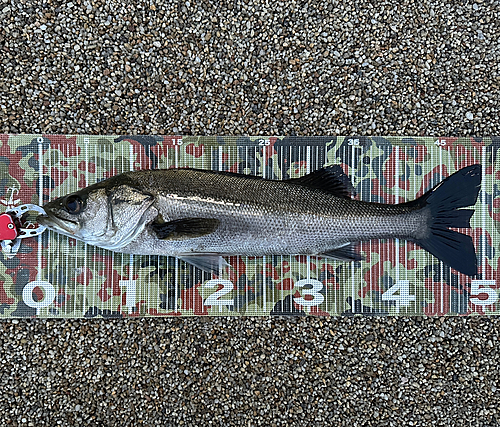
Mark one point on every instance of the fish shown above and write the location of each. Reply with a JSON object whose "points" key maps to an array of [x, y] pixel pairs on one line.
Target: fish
{"points": [[200, 216]]}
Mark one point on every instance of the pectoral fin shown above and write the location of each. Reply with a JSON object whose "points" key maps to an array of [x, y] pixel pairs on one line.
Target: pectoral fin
{"points": [[347, 252], [185, 228]]}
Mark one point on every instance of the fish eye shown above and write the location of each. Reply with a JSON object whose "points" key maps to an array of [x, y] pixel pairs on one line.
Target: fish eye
{"points": [[74, 204]]}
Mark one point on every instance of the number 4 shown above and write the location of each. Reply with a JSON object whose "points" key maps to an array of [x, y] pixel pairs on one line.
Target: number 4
{"points": [[402, 299]]}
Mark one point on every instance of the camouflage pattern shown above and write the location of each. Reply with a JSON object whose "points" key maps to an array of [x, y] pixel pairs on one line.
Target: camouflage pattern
{"points": [[55, 276]]}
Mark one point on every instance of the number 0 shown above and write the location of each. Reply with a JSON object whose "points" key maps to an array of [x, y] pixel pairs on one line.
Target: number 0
{"points": [[50, 294]]}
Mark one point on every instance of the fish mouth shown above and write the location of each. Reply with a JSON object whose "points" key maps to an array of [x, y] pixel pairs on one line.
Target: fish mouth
{"points": [[60, 225]]}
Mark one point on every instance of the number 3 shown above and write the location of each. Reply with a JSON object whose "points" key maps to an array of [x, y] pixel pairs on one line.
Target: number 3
{"points": [[317, 297]]}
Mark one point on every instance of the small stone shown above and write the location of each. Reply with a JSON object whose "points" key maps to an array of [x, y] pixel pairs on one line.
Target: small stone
{"points": [[469, 115]]}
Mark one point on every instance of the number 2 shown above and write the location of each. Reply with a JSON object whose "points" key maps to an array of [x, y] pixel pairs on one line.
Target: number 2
{"points": [[215, 298]]}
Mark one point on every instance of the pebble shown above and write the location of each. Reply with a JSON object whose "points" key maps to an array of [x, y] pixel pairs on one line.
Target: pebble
{"points": [[250, 371], [237, 68], [233, 68]]}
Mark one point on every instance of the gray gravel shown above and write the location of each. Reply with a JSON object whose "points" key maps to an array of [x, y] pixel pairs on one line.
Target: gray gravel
{"points": [[204, 68], [313, 68]]}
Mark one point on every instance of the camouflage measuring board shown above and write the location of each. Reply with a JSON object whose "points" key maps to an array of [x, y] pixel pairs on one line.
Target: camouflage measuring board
{"points": [[56, 276]]}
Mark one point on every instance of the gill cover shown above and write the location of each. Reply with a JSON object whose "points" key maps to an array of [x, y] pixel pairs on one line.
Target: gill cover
{"points": [[126, 206]]}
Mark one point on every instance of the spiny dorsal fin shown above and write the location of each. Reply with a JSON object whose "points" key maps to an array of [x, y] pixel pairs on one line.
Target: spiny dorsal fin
{"points": [[331, 179]]}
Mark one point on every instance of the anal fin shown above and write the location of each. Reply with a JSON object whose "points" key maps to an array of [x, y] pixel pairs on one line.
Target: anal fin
{"points": [[348, 252]]}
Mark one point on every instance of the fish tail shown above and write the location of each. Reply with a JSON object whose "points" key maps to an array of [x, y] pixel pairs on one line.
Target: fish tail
{"points": [[441, 208]]}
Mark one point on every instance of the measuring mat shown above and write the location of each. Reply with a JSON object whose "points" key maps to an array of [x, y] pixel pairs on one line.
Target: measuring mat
{"points": [[54, 276]]}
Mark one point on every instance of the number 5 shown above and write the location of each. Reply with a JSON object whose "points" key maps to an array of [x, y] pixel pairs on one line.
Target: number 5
{"points": [[482, 287]]}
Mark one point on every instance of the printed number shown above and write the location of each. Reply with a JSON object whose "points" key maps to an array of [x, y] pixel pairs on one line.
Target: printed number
{"points": [[314, 292], [264, 142], [177, 141], [440, 142], [130, 291], [48, 289], [353, 142], [401, 299], [482, 287], [215, 298]]}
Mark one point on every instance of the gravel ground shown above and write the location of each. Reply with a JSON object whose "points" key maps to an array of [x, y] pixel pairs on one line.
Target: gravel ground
{"points": [[384, 68]]}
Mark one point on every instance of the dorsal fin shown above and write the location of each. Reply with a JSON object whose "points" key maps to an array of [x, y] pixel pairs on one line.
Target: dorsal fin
{"points": [[331, 179]]}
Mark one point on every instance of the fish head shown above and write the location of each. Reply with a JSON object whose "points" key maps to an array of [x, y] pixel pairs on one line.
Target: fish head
{"points": [[108, 217]]}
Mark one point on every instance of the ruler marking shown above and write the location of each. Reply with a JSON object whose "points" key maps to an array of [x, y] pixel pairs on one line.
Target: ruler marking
{"points": [[451, 169], [246, 257], [460, 275], [441, 265], [142, 289], [353, 268], [490, 183], [94, 249], [67, 266], [484, 204], [264, 260], [40, 190], [406, 199], [396, 194], [76, 257], [122, 255], [62, 189]]}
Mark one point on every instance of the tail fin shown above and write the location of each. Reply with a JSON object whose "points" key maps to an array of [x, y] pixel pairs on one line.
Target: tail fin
{"points": [[453, 248]]}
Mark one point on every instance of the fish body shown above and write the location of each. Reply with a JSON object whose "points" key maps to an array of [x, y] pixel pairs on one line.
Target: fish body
{"points": [[199, 215]]}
